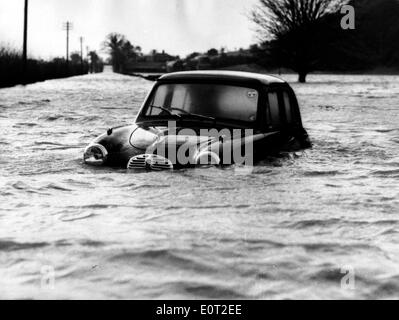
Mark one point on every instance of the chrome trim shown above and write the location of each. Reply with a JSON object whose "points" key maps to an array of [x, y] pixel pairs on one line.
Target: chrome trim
{"points": [[149, 161], [159, 163], [89, 157], [138, 162]]}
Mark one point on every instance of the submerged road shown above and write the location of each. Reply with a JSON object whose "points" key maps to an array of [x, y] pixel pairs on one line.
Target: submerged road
{"points": [[290, 229]]}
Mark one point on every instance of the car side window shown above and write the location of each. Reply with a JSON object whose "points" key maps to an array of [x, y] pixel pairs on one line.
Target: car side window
{"points": [[288, 107], [274, 109]]}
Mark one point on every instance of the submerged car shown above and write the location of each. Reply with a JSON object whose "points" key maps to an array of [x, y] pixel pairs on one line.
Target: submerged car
{"points": [[205, 118]]}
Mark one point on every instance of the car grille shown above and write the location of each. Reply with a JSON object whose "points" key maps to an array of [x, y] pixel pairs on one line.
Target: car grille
{"points": [[149, 161], [139, 162], [160, 163]]}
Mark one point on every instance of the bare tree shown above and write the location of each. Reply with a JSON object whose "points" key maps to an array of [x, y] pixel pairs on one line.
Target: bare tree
{"points": [[292, 27]]}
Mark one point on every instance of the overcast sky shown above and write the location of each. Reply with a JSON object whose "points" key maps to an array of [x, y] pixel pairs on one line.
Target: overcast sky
{"points": [[177, 26]]}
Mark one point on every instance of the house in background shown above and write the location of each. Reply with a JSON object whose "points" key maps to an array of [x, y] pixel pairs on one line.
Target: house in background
{"points": [[200, 62], [154, 62], [161, 62]]}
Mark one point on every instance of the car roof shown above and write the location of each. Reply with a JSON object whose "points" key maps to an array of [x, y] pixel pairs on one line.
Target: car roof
{"points": [[222, 75]]}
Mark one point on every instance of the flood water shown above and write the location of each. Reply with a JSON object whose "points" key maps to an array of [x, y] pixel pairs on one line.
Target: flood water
{"points": [[291, 229]]}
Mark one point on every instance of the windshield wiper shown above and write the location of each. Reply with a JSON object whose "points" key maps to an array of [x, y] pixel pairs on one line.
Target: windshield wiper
{"points": [[199, 116], [167, 110], [185, 114]]}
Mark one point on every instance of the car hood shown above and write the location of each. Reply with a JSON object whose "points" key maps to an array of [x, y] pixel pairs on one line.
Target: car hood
{"points": [[124, 143], [148, 138], [142, 138]]}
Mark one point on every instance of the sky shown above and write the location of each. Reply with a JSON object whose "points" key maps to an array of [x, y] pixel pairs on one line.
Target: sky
{"points": [[177, 26]]}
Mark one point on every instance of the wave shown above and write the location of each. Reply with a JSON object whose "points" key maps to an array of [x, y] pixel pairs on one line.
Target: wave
{"points": [[55, 186], [388, 289], [318, 173], [26, 124], [209, 291], [386, 173], [76, 216], [10, 246]]}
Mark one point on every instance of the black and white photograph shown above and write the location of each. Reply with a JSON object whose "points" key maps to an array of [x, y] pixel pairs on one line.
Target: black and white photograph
{"points": [[199, 150]]}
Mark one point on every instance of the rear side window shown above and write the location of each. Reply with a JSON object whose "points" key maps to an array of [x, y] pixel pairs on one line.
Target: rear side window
{"points": [[282, 108], [274, 108], [287, 107]]}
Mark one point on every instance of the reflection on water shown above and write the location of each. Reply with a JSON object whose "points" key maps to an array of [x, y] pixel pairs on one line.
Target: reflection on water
{"points": [[287, 230]]}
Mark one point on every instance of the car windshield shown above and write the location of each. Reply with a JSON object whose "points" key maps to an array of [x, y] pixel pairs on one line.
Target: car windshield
{"points": [[213, 101]]}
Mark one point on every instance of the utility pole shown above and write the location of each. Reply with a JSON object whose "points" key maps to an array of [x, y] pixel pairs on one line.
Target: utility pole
{"points": [[25, 45], [68, 26], [81, 52], [88, 60]]}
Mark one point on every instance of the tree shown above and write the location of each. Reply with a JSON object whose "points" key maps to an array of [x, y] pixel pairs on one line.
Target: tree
{"points": [[295, 30], [114, 43], [96, 63], [130, 52], [75, 58], [121, 51], [213, 52], [377, 31]]}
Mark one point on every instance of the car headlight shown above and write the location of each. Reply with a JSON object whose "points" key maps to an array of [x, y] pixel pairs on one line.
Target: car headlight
{"points": [[207, 158], [95, 155]]}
